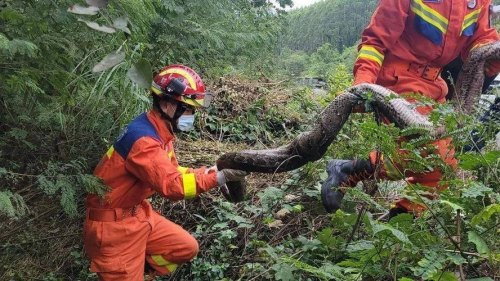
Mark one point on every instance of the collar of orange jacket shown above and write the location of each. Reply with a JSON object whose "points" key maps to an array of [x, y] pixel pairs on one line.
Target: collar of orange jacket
{"points": [[162, 126]]}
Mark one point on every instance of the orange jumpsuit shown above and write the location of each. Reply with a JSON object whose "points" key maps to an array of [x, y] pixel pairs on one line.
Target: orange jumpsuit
{"points": [[406, 45], [121, 230]]}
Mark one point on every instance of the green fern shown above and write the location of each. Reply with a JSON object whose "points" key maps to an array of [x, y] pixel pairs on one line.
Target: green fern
{"points": [[22, 82], [49, 187], [92, 184], [429, 265], [68, 200], [12, 204], [486, 214], [414, 130], [420, 141], [4, 42], [324, 273], [17, 47]]}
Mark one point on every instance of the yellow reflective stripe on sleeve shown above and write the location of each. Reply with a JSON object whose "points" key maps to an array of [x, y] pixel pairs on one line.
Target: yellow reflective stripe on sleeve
{"points": [[429, 15], [189, 183], [160, 261], [182, 72], [473, 15], [110, 151], [370, 53], [370, 57], [182, 170], [471, 18]]}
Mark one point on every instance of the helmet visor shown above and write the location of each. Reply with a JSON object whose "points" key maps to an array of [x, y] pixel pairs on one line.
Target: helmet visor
{"points": [[207, 100], [198, 100]]}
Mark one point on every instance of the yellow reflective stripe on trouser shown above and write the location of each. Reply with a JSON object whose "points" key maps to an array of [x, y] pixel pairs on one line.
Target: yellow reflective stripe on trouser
{"points": [[370, 53], [189, 183], [429, 15], [110, 151], [182, 170], [471, 18], [160, 261]]}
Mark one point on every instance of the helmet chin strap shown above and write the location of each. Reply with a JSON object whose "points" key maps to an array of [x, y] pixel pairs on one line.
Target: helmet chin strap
{"points": [[179, 110]]}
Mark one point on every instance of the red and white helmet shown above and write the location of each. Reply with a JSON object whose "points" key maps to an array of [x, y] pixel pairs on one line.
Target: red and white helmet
{"points": [[181, 83]]}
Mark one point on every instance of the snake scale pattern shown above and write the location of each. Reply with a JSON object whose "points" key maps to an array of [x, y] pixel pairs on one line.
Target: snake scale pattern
{"points": [[312, 145], [471, 77]]}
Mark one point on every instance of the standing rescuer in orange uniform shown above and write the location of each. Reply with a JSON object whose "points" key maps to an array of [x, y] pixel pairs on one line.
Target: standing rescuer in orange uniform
{"points": [[404, 49], [121, 230]]}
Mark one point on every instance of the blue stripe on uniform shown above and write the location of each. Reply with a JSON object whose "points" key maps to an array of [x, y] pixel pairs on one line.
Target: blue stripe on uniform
{"points": [[138, 128], [429, 31], [469, 31]]}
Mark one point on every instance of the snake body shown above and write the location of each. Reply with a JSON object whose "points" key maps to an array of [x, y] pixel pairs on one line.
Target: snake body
{"points": [[312, 145], [471, 77]]}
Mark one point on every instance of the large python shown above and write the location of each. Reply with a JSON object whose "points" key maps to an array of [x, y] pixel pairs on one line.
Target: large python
{"points": [[471, 77], [312, 145]]}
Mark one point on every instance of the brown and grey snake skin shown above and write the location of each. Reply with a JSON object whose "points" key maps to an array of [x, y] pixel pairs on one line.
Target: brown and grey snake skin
{"points": [[471, 77], [311, 145]]}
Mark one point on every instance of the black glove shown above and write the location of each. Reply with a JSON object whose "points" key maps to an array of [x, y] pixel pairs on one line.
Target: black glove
{"points": [[234, 191], [232, 184]]}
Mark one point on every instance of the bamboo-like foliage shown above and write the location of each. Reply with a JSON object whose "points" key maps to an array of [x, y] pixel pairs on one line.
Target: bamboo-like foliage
{"points": [[58, 117]]}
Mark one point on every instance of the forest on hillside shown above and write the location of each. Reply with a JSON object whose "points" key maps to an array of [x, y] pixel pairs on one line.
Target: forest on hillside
{"points": [[336, 22], [73, 73], [321, 37]]}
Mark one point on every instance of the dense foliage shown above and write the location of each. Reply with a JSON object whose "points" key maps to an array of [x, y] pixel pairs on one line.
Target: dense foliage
{"points": [[320, 63], [66, 89]]}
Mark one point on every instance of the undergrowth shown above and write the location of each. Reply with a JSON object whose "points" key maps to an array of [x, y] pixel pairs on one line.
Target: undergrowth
{"points": [[58, 118]]}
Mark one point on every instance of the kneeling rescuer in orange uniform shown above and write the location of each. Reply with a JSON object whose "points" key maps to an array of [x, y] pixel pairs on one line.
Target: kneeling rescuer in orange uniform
{"points": [[121, 230]]}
